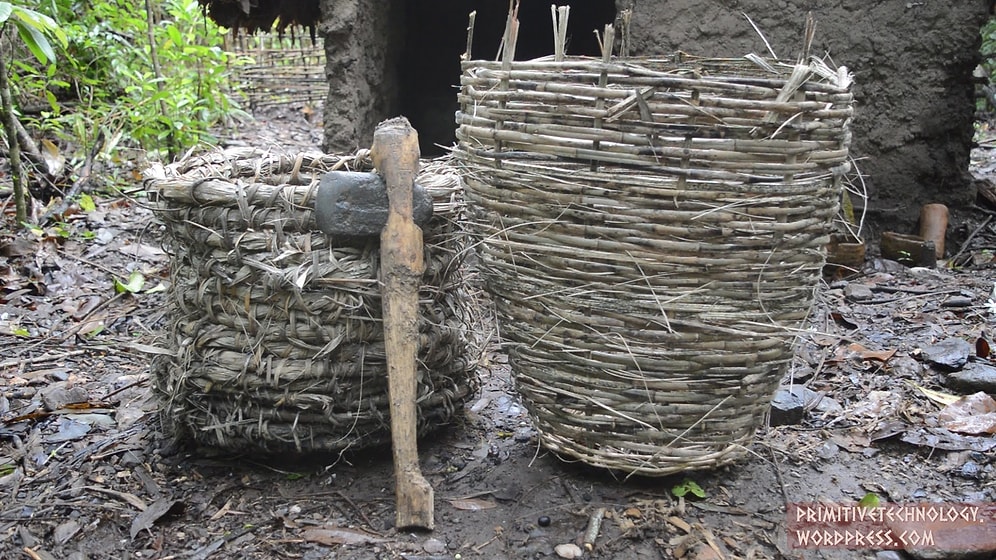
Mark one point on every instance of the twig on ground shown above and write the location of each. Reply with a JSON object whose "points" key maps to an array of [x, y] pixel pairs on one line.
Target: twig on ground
{"points": [[964, 246], [40, 359]]}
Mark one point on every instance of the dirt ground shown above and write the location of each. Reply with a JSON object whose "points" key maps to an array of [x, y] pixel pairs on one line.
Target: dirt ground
{"points": [[86, 472]]}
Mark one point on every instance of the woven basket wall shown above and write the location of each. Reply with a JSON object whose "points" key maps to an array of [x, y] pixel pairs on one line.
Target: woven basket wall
{"points": [[653, 233], [276, 331]]}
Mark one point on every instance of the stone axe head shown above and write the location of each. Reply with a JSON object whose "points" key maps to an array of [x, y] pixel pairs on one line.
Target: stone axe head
{"points": [[351, 207]]}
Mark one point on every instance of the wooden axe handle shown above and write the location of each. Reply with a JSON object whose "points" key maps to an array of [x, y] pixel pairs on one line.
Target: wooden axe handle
{"points": [[395, 155]]}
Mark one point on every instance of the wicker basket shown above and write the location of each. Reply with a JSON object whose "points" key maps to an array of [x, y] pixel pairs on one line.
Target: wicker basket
{"points": [[653, 232], [276, 333]]}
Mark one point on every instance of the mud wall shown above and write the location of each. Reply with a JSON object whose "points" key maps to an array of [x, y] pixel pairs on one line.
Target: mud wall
{"points": [[361, 53], [912, 63], [391, 57]]}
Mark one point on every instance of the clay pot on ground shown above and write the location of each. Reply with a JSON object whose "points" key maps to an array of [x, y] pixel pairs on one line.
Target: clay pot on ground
{"points": [[845, 255], [934, 226], [909, 250]]}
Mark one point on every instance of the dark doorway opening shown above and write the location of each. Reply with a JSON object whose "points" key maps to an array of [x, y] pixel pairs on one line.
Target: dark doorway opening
{"points": [[436, 37]]}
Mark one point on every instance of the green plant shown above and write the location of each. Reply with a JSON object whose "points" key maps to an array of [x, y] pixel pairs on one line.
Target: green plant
{"points": [[988, 49], [33, 28], [154, 77], [688, 486]]}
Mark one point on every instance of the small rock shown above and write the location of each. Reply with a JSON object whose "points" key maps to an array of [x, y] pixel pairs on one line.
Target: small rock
{"points": [[130, 459], [434, 546], [970, 470], [65, 531], [569, 550], [927, 272], [57, 396], [819, 403], [885, 266], [858, 292], [27, 539], [974, 377], [791, 403], [353, 206], [950, 353], [905, 367], [523, 435], [888, 555], [957, 301], [828, 450], [787, 408]]}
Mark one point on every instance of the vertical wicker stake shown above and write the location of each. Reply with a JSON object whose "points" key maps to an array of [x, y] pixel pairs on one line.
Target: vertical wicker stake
{"points": [[395, 155], [472, 19]]}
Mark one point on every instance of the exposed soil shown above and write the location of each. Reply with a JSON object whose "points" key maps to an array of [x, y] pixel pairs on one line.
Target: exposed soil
{"points": [[85, 471]]}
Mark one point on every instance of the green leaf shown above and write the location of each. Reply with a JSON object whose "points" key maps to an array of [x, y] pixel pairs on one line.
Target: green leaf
{"points": [[688, 486], [174, 35], [86, 203], [871, 500], [35, 229], [36, 42], [136, 281], [21, 331], [5, 10], [52, 101], [41, 22]]}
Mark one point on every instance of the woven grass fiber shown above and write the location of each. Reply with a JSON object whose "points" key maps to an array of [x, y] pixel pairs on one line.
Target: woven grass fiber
{"points": [[652, 231], [276, 331]]}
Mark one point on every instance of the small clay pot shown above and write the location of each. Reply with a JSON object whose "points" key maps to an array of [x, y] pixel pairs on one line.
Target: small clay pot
{"points": [[934, 225], [910, 250], [845, 255]]}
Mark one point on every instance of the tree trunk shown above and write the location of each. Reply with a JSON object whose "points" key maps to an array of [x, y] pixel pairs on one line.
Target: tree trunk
{"points": [[14, 150]]}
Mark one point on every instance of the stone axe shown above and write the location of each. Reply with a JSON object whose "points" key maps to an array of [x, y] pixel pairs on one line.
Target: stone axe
{"points": [[350, 206]]}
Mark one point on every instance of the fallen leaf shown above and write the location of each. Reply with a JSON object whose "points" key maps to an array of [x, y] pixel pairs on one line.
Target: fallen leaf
{"points": [[134, 284], [142, 250], [163, 508], [888, 428], [568, 551], [866, 354], [982, 349], [853, 442], [936, 396], [225, 510], [473, 504], [876, 404], [69, 430], [972, 414], [680, 523], [940, 438], [340, 535], [843, 321], [633, 513], [54, 160], [625, 524], [65, 531]]}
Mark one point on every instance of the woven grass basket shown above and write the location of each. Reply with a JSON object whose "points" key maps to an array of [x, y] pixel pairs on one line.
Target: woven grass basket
{"points": [[653, 232], [276, 338]]}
